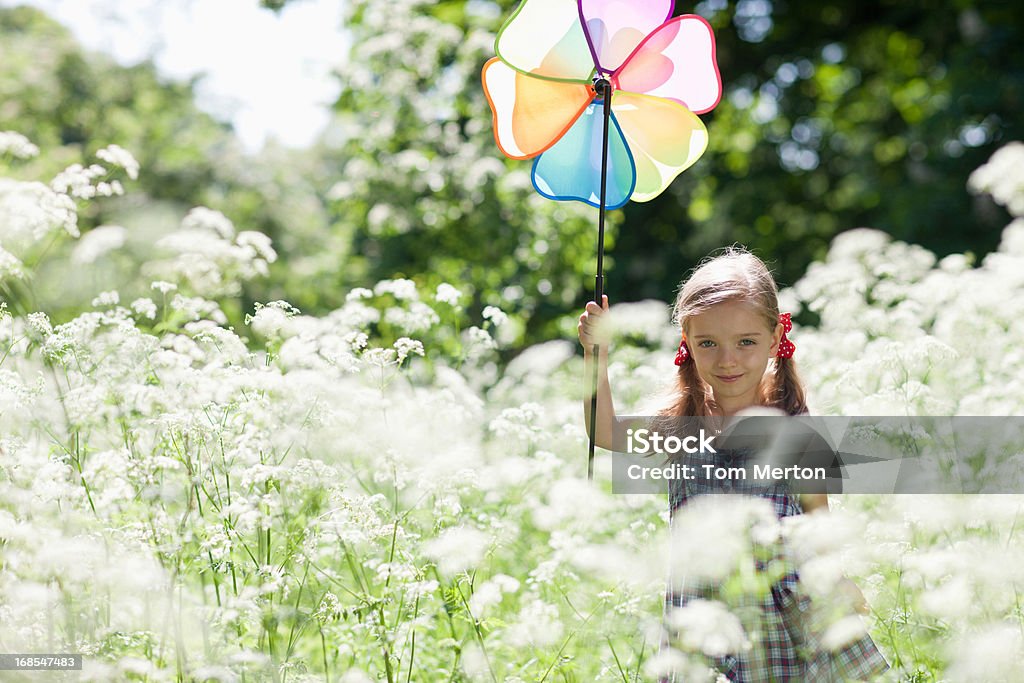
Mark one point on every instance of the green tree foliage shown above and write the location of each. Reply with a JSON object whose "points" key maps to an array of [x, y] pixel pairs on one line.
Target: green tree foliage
{"points": [[71, 103], [424, 193]]}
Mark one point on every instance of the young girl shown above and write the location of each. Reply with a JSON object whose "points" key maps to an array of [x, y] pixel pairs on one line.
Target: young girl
{"points": [[734, 354]]}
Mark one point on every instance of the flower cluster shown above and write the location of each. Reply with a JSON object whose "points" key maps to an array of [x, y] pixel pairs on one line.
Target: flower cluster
{"points": [[338, 494]]}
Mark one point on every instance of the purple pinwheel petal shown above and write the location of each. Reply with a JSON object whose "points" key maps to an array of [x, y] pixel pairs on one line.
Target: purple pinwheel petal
{"points": [[614, 28]]}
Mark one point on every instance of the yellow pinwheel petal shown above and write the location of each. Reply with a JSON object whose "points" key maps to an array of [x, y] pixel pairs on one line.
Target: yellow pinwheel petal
{"points": [[665, 138]]}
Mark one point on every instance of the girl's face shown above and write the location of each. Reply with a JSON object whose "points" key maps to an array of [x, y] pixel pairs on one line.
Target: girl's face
{"points": [[731, 346]]}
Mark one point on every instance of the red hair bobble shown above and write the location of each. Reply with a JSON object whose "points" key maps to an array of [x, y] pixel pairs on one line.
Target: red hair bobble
{"points": [[786, 347], [683, 353]]}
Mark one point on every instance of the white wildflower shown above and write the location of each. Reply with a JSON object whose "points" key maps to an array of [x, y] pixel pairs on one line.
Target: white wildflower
{"points": [[163, 287], [145, 307], [105, 189], [380, 358], [39, 323], [30, 211], [993, 654], [708, 626], [78, 181], [406, 346], [712, 534], [951, 601], [97, 242], [111, 298], [670, 662], [356, 676], [537, 624], [820, 575], [272, 320], [203, 218], [329, 608], [844, 632], [495, 315], [17, 145], [402, 289], [447, 294], [359, 293], [10, 265], [419, 589], [260, 245], [120, 157], [1003, 178], [356, 341], [489, 593], [478, 342], [418, 318], [457, 549]]}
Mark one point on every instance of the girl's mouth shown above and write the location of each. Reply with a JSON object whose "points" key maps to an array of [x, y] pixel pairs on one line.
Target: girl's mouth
{"points": [[728, 378]]}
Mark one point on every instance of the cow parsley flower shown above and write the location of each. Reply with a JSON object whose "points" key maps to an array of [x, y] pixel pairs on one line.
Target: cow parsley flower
{"points": [[17, 145], [457, 549], [97, 242], [447, 294], [406, 346], [537, 624], [30, 211], [402, 289], [163, 286], [708, 626], [495, 315], [145, 307], [359, 293], [10, 265], [120, 157]]}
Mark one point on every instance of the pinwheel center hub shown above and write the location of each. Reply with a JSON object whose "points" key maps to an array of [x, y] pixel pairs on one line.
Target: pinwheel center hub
{"points": [[602, 86]]}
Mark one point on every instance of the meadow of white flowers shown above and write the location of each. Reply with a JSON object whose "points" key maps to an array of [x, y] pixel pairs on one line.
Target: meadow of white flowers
{"points": [[343, 504]]}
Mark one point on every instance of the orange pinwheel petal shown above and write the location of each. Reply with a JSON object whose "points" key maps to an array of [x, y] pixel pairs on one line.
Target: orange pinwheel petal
{"points": [[530, 114]]}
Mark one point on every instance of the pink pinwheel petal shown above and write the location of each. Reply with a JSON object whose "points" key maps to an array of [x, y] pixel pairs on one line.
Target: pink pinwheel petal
{"points": [[676, 62], [545, 38], [664, 137], [614, 28], [530, 114]]}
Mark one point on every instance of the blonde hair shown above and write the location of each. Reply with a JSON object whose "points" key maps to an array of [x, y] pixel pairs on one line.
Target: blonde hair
{"points": [[734, 275]]}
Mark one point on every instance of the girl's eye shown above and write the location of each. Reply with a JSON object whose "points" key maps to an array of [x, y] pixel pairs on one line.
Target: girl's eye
{"points": [[748, 342], [707, 343]]}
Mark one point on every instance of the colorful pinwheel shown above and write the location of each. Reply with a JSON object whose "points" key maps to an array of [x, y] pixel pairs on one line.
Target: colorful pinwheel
{"points": [[555, 59], [558, 60]]}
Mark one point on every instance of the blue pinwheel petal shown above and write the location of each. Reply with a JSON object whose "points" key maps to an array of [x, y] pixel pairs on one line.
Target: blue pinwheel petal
{"points": [[571, 169]]}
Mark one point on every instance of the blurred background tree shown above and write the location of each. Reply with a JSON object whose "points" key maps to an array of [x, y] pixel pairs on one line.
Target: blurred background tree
{"points": [[836, 114], [71, 102]]}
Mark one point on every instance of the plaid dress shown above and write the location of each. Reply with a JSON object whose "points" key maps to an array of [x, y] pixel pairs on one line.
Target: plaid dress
{"points": [[790, 648]]}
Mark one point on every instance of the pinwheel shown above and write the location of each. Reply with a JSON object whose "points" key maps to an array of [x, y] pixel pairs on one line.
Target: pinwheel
{"points": [[561, 61]]}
